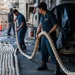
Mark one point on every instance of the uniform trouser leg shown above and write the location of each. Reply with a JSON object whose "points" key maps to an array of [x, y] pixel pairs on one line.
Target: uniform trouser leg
{"points": [[57, 70], [23, 42], [9, 28], [35, 30], [50, 52], [39, 49], [20, 44], [13, 26], [44, 50], [44, 53], [21, 36], [23, 45]]}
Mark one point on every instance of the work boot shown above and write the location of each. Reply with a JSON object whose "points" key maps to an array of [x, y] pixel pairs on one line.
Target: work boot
{"points": [[42, 67], [57, 70]]}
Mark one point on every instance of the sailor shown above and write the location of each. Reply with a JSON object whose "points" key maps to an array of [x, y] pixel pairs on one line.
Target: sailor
{"points": [[21, 28], [49, 24]]}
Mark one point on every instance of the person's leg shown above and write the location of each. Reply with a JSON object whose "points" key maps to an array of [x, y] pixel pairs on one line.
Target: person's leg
{"points": [[50, 51], [39, 48], [20, 44], [23, 45], [9, 29], [13, 26], [57, 70], [35, 30], [19, 39], [44, 53], [23, 37], [44, 50]]}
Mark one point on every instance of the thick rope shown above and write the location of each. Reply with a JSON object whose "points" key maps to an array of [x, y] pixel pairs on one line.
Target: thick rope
{"points": [[53, 48], [7, 55]]}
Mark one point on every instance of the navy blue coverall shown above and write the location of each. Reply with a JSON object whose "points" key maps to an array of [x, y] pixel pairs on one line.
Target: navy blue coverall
{"points": [[48, 21], [22, 31]]}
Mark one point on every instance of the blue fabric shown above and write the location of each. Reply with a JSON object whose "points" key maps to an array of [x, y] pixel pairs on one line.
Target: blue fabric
{"points": [[21, 35], [21, 19], [22, 31], [46, 50], [35, 30], [48, 21], [64, 34]]}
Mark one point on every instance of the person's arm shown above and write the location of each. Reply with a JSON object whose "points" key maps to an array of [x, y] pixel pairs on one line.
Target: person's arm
{"points": [[22, 24], [38, 30], [39, 27], [54, 22], [22, 19], [15, 19], [53, 29]]}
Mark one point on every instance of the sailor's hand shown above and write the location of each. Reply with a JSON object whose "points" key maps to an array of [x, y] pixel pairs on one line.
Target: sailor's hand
{"points": [[36, 35], [49, 33], [17, 29]]}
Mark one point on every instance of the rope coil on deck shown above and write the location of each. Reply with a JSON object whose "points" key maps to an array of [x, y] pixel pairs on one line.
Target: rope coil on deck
{"points": [[53, 48], [7, 53]]}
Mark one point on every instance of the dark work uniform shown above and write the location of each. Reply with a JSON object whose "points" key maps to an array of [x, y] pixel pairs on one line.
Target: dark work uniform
{"points": [[48, 21], [11, 23], [22, 31]]}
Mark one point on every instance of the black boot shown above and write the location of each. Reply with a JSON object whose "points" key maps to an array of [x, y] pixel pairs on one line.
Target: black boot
{"points": [[57, 70], [42, 67]]}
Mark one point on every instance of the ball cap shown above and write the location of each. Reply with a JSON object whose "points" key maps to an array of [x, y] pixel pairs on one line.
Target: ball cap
{"points": [[35, 5]]}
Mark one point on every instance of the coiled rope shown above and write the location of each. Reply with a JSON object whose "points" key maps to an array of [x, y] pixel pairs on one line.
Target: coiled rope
{"points": [[7, 64], [53, 48]]}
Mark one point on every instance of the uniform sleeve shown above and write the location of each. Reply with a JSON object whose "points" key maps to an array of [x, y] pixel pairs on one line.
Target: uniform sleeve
{"points": [[53, 19]]}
